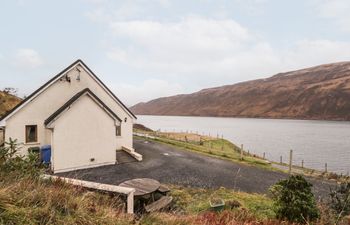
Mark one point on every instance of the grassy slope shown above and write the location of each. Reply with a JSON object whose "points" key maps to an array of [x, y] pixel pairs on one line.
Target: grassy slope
{"points": [[33, 201], [195, 200], [7, 102], [224, 149], [220, 148]]}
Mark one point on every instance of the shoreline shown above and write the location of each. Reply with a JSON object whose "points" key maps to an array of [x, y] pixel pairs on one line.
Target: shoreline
{"points": [[249, 158]]}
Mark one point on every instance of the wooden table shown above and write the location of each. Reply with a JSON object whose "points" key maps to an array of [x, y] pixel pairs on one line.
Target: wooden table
{"points": [[142, 186]]}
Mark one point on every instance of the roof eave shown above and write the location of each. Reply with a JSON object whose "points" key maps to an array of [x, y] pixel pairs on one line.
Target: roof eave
{"points": [[52, 80]]}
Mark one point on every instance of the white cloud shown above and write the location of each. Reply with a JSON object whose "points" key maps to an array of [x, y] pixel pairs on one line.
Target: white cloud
{"points": [[194, 45], [27, 58], [209, 52], [313, 52], [205, 51], [145, 91], [337, 10]]}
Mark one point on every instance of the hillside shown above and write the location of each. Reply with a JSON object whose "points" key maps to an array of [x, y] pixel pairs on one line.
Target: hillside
{"points": [[321, 92], [7, 102]]}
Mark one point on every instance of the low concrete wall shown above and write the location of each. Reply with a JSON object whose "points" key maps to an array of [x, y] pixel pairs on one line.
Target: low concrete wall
{"points": [[129, 192]]}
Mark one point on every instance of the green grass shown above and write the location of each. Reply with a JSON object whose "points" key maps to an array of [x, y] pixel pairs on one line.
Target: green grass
{"points": [[219, 148], [194, 201]]}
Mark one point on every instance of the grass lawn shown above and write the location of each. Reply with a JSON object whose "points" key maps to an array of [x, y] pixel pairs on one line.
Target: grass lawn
{"points": [[194, 201], [219, 148]]}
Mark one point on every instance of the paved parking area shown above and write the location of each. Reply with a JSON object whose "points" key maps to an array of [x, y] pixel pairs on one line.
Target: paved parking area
{"points": [[171, 165]]}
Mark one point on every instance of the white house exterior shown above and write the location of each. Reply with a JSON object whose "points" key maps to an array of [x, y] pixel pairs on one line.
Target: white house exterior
{"points": [[75, 113]]}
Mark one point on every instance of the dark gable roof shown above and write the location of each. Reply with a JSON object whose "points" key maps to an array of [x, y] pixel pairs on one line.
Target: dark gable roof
{"points": [[58, 75], [76, 97]]}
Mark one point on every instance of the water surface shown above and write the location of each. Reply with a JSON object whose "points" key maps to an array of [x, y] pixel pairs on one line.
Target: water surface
{"points": [[315, 142]]}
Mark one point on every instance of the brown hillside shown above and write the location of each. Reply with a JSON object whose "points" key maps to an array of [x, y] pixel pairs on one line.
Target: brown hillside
{"points": [[7, 102], [321, 92]]}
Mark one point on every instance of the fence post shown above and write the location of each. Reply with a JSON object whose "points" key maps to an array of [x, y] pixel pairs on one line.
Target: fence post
{"points": [[242, 152], [264, 155], [325, 168], [281, 160], [290, 161], [302, 163]]}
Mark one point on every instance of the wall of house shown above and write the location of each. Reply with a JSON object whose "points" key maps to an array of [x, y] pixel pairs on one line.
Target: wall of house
{"points": [[40, 108], [83, 137]]}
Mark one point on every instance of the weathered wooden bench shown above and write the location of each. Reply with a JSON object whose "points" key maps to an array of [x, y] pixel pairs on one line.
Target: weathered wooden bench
{"points": [[163, 189], [162, 203]]}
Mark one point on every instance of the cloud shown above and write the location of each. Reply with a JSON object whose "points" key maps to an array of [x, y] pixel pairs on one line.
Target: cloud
{"points": [[307, 53], [145, 91], [193, 45], [337, 10], [27, 58], [206, 51]]}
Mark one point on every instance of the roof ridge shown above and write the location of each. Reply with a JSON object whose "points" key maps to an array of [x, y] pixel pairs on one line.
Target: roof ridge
{"points": [[54, 78]]}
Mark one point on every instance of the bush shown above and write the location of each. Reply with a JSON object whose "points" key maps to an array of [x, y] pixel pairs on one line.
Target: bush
{"points": [[340, 199], [17, 165], [293, 200]]}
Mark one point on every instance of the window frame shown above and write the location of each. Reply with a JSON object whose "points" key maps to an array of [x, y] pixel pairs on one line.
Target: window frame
{"points": [[118, 130], [27, 127]]}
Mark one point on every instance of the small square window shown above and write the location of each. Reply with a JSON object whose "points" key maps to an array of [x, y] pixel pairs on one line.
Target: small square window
{"points": [[31, 133], [118, 130]]}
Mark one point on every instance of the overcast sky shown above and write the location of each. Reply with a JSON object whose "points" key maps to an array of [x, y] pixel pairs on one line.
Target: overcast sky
{"points": [[143, 49]]}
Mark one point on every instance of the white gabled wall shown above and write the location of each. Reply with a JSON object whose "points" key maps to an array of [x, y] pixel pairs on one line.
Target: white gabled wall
{"points": [[83, 132], [41, 107]]}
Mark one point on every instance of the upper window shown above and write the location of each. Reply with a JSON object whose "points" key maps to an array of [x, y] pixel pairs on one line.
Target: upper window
{"points": [[118, 130], [31, 133]]}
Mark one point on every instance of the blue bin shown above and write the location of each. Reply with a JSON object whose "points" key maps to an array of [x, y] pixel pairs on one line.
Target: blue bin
{"points": [[46, 154]]}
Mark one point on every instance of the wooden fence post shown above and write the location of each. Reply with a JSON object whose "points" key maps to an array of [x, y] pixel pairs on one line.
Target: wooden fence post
{"points": [[325, 168], [302, 163], [264, 155], [281, 160], [242, 152], [290, 161]]}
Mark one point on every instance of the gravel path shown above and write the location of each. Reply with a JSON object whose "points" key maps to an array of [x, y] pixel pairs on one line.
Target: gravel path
{"points": [[171, 165]]}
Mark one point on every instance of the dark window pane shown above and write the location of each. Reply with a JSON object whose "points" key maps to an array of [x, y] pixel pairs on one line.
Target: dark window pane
{"points": [[118, 131], [31, 133]]}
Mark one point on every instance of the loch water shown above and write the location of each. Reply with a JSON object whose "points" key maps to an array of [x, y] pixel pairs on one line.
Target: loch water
{"points": [[314, 142]]}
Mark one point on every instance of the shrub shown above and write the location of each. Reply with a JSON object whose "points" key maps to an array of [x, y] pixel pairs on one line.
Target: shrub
{"points": [[12, 162], [293, 200], [340, 199]]}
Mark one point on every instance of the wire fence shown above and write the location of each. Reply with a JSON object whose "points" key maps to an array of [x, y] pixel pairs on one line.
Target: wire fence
{"points": [[292, 160]]}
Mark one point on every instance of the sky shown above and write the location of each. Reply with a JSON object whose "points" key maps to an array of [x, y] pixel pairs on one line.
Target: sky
{"points": [[144, 49]]}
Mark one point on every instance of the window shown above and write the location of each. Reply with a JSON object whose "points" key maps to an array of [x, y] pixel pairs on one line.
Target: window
{"points": [[118, 130], [31, 133]]}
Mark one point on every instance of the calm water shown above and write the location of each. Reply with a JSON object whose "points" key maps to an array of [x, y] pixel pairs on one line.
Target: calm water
{"points": [[315, 142]]}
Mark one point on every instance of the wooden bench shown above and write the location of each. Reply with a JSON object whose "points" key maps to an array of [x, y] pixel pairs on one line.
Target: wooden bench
{"points": [[163, 189], [159, 204]]}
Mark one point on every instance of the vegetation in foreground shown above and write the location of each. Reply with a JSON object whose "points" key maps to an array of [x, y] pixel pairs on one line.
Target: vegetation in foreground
{"points": [[27, 199]]}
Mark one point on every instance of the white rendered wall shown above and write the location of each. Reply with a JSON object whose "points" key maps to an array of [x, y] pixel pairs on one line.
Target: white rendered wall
{"points": [[40, 108], [82, 133]]}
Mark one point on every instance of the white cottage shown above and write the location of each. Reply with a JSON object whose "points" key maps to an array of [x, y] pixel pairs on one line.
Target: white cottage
{"points": [[75, 113]]}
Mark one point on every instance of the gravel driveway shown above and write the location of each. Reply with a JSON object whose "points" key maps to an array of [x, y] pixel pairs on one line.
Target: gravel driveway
{"points": [[171, 165]]}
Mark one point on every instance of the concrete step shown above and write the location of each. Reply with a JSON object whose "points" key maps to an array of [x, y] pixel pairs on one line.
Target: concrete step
{"points": [[124, 157]]}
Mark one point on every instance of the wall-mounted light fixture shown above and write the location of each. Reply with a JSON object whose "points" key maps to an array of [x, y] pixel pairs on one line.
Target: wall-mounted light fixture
{"points": [[78, 77], [126, 119], [67, 78]]}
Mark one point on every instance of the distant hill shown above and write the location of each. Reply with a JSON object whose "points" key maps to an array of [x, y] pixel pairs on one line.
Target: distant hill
{"points": [[7, 102], [321, 92]]}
